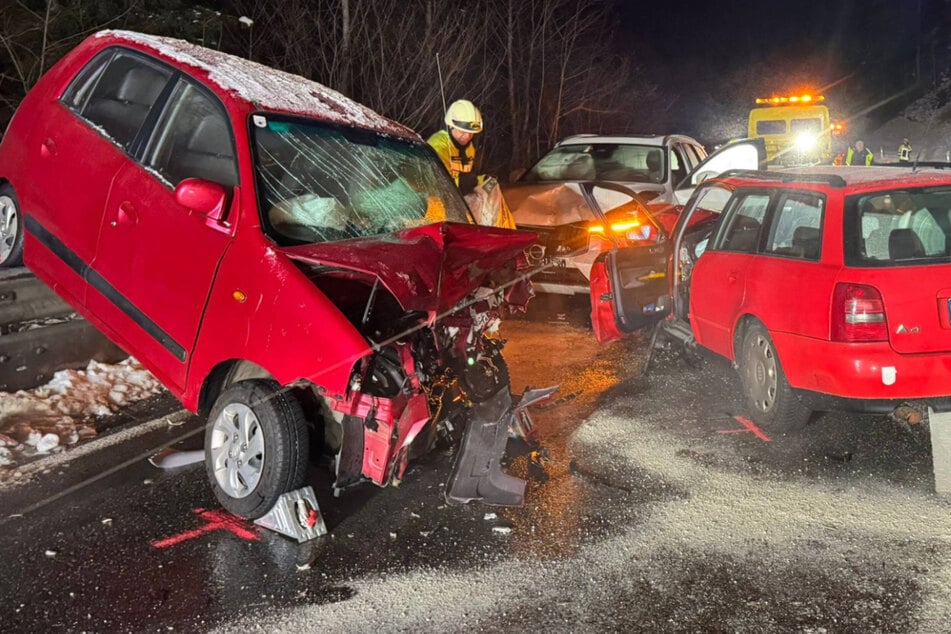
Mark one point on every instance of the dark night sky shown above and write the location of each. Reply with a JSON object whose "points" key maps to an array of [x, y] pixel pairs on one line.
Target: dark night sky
{"points": [[735, 30], [711, 50]]}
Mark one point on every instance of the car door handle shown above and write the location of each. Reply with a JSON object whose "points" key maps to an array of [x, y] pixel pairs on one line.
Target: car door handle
{"points": [[732, 277], [48, 148], [125, 216]]}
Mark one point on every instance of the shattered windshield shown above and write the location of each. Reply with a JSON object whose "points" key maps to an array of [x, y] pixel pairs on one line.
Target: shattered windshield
{"points": [[319, 182]]}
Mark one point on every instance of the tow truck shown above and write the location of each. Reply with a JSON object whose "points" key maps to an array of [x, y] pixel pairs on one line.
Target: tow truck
{"points": [[797, 129]]}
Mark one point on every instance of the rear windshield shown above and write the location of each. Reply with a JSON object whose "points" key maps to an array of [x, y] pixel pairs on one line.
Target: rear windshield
{"points": [[898, 227], [621, 162]]}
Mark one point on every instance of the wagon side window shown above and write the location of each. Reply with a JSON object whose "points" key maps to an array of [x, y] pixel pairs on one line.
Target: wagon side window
{"points": [[744, 224], [117, 96], [797, 226]]}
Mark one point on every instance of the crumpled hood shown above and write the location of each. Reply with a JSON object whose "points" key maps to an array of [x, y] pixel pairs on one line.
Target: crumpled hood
{"points": [[555, 204], [427, 268]]}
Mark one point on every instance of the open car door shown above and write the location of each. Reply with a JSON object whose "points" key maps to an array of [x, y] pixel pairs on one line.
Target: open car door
{"points": [[629, 290], [746, 154]]}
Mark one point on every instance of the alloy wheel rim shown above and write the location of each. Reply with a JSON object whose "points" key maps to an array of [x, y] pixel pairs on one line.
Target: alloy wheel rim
{"points": [[762, 375], [9, 225], [237, 450]]}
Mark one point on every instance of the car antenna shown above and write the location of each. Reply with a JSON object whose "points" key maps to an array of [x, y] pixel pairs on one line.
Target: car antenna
{"points": [[442, 94], [442, 90]]}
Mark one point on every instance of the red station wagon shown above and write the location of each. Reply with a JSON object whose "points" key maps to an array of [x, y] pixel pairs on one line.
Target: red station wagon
{"points": [[277, 255], [824, 286]]}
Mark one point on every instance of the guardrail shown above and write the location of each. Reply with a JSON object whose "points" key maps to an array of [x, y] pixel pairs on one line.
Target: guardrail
{"points": [[41, 334]]}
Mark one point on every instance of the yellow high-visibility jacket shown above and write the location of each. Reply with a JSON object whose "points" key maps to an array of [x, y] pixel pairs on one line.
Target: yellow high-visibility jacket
{"points": [[457, 162]]}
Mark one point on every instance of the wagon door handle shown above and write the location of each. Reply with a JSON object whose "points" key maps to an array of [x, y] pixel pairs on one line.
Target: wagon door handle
{"points": [[126, 216], [732, 277], [48, 148]]}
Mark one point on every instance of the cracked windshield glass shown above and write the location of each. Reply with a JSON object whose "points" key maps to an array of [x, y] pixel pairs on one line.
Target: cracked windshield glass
{"points": [[319, 183]]}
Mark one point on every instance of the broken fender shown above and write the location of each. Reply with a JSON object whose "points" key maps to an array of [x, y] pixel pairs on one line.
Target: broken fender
{"points": [[477, 473]]}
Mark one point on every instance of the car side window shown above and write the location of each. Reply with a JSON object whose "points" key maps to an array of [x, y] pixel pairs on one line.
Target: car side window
{"points": [[117, 96], [796, 229], [701, 153], [193, 139], [689, 156], [744, 223], [678, 166]]}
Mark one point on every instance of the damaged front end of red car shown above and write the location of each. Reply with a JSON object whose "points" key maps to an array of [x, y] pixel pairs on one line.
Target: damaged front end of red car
{"points": [[429, 301]]}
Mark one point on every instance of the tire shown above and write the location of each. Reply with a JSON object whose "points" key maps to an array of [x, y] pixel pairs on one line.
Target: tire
{"points": [[773, 403], [11, 229], [248, 477]]}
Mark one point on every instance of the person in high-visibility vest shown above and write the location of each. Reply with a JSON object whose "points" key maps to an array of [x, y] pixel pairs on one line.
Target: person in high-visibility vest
{"points": [[859, 154], [454, 146], [904, 151]]}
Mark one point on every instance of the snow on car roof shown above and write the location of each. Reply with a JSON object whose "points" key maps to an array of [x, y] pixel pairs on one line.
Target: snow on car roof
{"points": [[267, 88]]}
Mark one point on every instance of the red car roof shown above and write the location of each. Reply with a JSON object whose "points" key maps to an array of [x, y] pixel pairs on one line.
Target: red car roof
{"points": [[260, 86], [856, 179]]}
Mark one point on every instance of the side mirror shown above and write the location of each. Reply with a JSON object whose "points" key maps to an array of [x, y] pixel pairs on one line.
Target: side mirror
{"points": [[517, 174], [203, 196]]}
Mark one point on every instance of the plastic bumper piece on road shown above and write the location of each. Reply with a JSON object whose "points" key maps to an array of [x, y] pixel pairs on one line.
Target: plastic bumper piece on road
{"points": [[477, 473]]}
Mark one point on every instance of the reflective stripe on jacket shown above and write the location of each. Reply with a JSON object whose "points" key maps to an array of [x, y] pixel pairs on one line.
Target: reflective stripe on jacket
{"points": [[457, 160], [858, 159]]}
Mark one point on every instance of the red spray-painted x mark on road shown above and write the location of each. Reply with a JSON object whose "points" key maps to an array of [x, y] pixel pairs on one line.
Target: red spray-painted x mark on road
{"points": [[215, 520], [750, 427]]}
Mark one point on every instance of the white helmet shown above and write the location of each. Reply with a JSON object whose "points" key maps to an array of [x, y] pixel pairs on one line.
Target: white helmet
{"points": [[463, 115]]}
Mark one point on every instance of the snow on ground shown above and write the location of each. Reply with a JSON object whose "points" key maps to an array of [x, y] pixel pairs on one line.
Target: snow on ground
{"points": [[62, 412], [769, 525], [927, 125]]}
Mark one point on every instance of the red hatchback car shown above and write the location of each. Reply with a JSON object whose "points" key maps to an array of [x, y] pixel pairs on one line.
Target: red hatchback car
{"points": [[828, 288], [276, 254]]}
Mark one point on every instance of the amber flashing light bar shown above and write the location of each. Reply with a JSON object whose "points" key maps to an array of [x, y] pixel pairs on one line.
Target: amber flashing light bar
{"points": [[798, 99]]}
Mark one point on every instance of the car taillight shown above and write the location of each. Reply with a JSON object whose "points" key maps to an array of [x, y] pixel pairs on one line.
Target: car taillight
{"points": [[858, 313]]}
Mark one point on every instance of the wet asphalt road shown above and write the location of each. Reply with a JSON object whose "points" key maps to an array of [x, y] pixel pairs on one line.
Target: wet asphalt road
{"points": [[614, 534]]}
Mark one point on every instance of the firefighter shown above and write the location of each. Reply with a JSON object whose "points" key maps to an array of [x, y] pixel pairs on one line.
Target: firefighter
{"points": [[904, 151], [859, 154], [454, 146]]}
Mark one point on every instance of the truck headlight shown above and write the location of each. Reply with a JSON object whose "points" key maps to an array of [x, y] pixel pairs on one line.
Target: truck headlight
{"points": [[805, 142]]}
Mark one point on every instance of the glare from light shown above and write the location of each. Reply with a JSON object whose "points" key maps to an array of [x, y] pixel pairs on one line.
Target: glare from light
{"points": [[805, 142]]}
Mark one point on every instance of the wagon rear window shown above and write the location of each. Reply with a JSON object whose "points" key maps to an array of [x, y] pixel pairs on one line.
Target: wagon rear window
{"points": [[898, 227]]}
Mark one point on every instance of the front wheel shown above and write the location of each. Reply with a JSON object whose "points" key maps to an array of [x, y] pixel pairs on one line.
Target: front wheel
{"points": [[256, 446], [774, 404], [11, 229]]}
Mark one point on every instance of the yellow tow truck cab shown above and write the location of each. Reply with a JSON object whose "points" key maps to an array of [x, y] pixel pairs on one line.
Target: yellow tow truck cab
{"points": [[797, 129]]}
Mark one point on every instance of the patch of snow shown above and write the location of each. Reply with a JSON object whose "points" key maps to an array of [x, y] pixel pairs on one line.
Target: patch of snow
{"points": [[265, 87], [46, 443], [60, 413], [34, 324]]}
